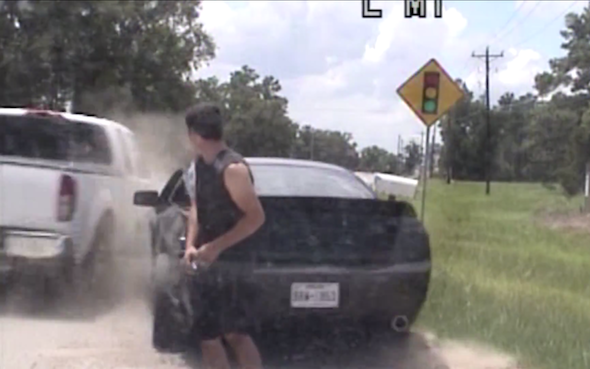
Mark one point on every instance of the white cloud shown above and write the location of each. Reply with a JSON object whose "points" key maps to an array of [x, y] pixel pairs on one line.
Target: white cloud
{"points": [[455, 22], [340, 71], [387, 31], [521, 68]]}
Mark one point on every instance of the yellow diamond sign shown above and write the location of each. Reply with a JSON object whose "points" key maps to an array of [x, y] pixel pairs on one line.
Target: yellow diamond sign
{"points": [[430, 92]]}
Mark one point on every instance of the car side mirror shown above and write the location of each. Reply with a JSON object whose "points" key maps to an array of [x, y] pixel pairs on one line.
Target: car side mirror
{"points": [[146, 198]]}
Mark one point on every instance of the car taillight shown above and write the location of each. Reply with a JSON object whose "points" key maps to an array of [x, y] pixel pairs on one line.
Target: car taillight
{"points": [[66, 203]]}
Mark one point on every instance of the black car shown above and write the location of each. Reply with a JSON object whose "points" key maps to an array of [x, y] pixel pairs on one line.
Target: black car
{"points": [[329, 248]]}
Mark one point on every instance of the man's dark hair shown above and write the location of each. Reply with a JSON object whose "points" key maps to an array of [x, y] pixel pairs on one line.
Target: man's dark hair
{"points": [[205, 120]]}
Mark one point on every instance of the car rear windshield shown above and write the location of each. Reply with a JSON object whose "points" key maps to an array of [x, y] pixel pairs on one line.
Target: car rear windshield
{"points": [[50, 138], [307, 181]]}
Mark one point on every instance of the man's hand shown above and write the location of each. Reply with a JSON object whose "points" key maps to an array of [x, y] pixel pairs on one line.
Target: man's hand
{"points": [[189, 255], [206, 254]]}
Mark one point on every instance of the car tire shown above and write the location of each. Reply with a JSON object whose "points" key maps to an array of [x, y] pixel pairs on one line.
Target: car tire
{"points": [[165, 337], [170, 307], [413, 246]]}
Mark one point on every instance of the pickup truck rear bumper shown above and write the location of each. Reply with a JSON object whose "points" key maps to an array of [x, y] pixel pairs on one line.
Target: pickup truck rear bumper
{"points": [[33, 253]]}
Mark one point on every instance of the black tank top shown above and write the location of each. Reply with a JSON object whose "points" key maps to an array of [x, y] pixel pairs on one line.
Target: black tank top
{"points": [[216, 211]]}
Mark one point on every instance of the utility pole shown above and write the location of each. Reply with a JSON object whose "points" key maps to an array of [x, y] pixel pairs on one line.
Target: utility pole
{"points": [[312, 145], [587, 188], [450, 120], [432, 150], [423, 145], [425, 171], [487, 57]]}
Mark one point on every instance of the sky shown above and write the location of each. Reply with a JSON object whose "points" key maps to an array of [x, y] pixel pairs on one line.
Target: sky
{"points": [[341, 71]]}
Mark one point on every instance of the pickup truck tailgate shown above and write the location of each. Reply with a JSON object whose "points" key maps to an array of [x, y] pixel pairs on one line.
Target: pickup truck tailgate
{"points": [[29, 194], [34, 151]]}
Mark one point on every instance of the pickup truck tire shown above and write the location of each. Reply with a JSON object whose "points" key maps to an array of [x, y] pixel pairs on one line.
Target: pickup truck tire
{"points": [[93, 279], [100, 261]]}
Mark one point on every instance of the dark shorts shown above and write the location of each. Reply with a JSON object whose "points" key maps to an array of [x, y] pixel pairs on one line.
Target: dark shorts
{"points": [[223, 304]]}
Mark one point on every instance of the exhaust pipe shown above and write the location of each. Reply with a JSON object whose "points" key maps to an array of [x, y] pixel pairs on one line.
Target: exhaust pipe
{"points": [[400, 323]]}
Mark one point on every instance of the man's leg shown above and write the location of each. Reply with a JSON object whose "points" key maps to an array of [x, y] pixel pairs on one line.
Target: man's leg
{"points": [[245, 349], [214, 355], [209, 303], [240, 321]]}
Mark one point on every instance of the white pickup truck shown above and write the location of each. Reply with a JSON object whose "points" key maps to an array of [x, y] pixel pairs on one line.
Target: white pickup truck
{"points": [[66, 195]]}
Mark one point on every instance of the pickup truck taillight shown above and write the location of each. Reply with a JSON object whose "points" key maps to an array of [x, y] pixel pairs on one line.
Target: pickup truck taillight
{"points": [[66, 202]]}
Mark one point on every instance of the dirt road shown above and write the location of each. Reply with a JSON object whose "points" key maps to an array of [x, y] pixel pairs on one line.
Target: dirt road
{"points": [[119, 338]]}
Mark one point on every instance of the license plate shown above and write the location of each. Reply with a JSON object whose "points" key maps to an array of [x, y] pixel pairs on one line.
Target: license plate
{"points": [[315, 295], [32, 247]]}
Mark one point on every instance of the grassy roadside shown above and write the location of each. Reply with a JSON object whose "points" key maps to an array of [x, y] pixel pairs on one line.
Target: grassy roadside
{"points": [[503, 279]]}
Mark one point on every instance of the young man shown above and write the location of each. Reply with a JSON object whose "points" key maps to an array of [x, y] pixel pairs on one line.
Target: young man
{"points": [[224, 211]]}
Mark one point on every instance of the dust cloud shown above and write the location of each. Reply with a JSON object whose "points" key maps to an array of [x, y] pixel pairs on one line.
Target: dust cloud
{"points": [[162, 139]]}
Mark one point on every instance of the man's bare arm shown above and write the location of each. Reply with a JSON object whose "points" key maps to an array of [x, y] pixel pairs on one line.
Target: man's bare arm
{"points": [[240, 187], [191, 226]]}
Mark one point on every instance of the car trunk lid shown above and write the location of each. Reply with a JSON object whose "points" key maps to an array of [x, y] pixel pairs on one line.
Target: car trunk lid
{"points": [[326, 231]]}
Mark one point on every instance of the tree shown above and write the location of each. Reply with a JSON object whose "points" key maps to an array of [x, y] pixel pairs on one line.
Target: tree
{"points": [[95, 54], [577, 46], [328, 146], [256, 113], [413, 158], [568, 112], [513, 116], [464, 136], [377, 159]]}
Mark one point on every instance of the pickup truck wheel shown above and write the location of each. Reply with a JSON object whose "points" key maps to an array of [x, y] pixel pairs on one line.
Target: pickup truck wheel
{"points": [[94, 277]]}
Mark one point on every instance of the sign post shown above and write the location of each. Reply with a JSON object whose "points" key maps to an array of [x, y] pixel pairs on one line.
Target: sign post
{"points": [[426, 164], [430, 93]]}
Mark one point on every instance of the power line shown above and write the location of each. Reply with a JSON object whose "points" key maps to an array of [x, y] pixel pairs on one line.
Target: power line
{"points": [[514, 14], [546, 26], [495, 34], [517, 24]]}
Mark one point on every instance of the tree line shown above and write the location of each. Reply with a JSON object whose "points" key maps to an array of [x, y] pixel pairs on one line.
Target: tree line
{"points": [[542, 137], [141, 56]]}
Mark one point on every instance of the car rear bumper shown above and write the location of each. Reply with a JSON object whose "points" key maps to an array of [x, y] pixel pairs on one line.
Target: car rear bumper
{"points": [[363, 293], [369, 294], [32, 253]]}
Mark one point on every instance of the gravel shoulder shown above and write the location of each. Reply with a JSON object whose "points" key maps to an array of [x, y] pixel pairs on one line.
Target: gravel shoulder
{"points": [[119, 338]]}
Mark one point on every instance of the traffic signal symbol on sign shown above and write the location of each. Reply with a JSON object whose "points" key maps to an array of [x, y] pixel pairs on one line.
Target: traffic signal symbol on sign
{"points": [[430, 93]]}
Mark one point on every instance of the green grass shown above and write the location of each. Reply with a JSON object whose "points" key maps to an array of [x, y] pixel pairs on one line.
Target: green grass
{"points": [[501, 278]]}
